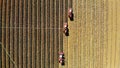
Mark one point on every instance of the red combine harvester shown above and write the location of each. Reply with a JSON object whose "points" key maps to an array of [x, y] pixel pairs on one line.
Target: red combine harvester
{"points": [[70, 13], [65, 29], [61, 58]]}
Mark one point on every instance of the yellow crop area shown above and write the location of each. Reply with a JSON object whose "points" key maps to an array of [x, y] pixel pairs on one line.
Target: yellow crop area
{"points": [[94, 40]]}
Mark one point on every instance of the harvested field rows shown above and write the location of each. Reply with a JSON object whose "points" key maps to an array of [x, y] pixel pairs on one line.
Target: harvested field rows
{"points": [[32, 32]]}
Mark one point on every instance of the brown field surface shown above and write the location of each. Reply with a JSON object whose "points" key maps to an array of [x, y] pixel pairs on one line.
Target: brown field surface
{"points": [[32, 33]]}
